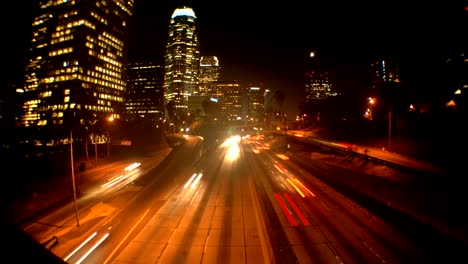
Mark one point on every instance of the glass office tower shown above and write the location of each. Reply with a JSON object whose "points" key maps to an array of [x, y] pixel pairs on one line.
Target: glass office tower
{"points": [[182, 61], [77, 64]]}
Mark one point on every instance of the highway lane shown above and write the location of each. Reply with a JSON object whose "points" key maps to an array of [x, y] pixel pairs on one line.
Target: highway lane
{"points": [[136, 202], [238, 203], [393, 236], [297, 219], [319, 224], [344, 229], [209, 218], [65, 218]]}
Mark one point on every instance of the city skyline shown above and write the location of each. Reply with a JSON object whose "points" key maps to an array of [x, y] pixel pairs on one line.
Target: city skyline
{"points": [[269, 43]]}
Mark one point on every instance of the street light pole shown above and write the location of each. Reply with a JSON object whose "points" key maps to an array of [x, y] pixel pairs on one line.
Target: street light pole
{"points": [[389, 127], [73, 178], [110, 119], [95, 148], [108, 152]]}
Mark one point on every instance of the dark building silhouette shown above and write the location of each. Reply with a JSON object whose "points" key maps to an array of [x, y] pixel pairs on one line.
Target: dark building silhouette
{"points": [[145, 94], [318, 90]]}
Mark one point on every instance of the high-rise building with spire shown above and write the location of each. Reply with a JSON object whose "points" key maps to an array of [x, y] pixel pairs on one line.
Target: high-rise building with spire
{"points": [[182, 61], [77, 64]]}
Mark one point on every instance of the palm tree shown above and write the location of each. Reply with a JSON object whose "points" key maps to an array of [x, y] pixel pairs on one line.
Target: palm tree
{"points": [[278, 100], [275, 104]]}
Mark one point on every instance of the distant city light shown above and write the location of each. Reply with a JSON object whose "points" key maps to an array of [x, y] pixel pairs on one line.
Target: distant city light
{"points": [[451, 103]]}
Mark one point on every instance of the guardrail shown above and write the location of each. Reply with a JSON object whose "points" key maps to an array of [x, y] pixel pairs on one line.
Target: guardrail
{"points": [[351, 150]]}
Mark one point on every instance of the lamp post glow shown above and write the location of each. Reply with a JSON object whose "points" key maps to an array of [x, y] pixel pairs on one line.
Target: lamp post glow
{"points": [[73, 178], [110, 119]]}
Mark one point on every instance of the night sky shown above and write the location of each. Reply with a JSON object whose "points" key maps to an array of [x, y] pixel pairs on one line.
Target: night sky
{"points": [[267, 41]]}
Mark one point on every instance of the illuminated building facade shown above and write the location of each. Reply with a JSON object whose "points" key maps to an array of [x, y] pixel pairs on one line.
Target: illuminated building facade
{"points": [[182, 60], [145, 95], [209, 73], [384, 71], [317, 82], [255, 95], [77, 63], [386, 89], [229, 96]]}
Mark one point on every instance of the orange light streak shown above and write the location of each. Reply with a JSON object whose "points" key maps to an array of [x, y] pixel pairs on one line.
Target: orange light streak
{"points": [[279, 168], [303, 187], [295, 187], [282, 156]]}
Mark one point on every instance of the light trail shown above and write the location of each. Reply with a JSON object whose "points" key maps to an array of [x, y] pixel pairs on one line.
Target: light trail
{"points": [[80, 246], [286, 211], [295, 187], [92, 248], [190, 181], [297, 210], [195, 182]]}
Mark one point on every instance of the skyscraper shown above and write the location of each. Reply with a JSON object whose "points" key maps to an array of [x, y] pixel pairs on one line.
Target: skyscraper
{"points": [[209, 73], [318, 92], [229, 95], [77, 64], [182, 61], [386, 89], [145, 91], [317, 82], [255, 95]]}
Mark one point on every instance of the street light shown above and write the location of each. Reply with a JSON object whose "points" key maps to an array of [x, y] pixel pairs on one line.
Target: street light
{"points": [[73, 178], [110, 119]]}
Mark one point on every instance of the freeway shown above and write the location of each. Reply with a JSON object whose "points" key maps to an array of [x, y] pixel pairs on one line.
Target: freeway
{"points": [[240, 202]]}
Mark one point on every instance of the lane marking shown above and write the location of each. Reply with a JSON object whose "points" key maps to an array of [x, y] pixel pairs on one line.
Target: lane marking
{"points": [[126, 236]]}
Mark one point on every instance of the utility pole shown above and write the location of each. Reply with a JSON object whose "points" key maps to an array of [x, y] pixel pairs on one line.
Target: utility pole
{"points": [[389, 127], [73, 178], [95, 148]]}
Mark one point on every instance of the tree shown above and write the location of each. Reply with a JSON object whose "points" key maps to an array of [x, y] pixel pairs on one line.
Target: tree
{"points": [[275, 105], [278, 100]]}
